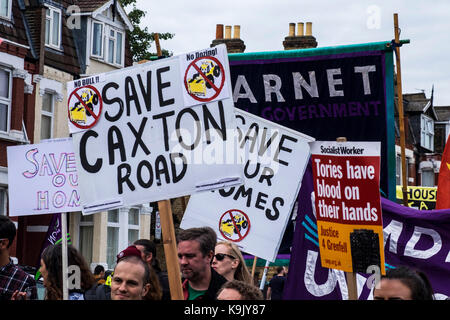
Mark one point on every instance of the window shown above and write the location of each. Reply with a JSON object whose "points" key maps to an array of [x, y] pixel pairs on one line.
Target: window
{"points": [[2, 202], [97, 39], [427, 132], [133, 225], [398, 169], [86, 237], [5, 98], [5, 8], [112, 248], [53, 27], [115, 45], [122, 230], [47, 116], [428, 178]]}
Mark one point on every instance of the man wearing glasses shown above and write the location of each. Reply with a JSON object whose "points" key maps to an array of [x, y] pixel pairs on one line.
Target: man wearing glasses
{"points": [[195, 253], [15, 283]]}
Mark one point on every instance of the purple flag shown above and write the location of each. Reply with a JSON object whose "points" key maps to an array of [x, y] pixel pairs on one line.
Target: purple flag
{"points": [[53, 235], [416, 238]]}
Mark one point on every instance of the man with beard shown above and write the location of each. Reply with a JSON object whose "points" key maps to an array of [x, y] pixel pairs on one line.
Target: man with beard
{"points": [[195, 253]]}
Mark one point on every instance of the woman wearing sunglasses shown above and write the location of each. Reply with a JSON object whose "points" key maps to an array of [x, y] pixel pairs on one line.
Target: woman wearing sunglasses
{"points": [[229, 262]]}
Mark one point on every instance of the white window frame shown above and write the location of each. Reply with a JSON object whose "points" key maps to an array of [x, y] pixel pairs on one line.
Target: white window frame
{"points": [[50, 38], [51, 114], [123, 228], [7, 100], [425, 134], [431, 172], [3, 197], [102, 51], [85, 224], [9, 10], [134, 226], [114, 39]]}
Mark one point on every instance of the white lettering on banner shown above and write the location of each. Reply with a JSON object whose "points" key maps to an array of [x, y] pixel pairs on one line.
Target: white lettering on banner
{"points": [[392, 231], [334, 277], [410, 250], [273, 84]]}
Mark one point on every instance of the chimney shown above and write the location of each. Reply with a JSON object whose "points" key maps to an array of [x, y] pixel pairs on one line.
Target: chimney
{"points": [[235, 44], [227, 32], [219, 31], [302, 40]]}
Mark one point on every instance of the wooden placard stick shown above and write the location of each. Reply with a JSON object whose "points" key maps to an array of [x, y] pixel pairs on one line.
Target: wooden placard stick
{"points": [[158, 46], [255, 259], [401, 121], [170, 249]]}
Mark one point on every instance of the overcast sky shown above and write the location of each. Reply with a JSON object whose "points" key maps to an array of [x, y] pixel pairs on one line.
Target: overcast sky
{"points": [[264, 24]]}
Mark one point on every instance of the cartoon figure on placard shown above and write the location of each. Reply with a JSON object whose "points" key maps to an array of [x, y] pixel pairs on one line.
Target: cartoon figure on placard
{"points": [[203, 80], [78, 112], [234, 225]]}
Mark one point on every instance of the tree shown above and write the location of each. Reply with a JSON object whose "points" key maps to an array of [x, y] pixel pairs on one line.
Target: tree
{"points": [[141, 39]]}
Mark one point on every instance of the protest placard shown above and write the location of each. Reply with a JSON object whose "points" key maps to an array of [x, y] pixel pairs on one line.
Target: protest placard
{"points": [[255, 214], [43, 178], [137, 140], [347, 204], [422, 198]]}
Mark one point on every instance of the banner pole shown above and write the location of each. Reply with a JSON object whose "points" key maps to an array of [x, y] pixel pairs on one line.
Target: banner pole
{"points": [[64, 255], [263, 280], [170, 249], [400, 110]]}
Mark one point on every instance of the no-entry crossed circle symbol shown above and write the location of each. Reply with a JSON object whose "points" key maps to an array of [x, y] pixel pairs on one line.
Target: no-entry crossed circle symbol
{"points": [[204, 78], [85, 107], [234, 225]]}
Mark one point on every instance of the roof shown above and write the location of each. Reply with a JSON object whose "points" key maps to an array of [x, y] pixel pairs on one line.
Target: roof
{"points": [[14, 30], [442, 112], [415, 102], [95, 7], [65, 59], [90, 5]]}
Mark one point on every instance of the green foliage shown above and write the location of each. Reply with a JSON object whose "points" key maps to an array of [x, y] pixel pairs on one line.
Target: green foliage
{"points": [[140, 38]]}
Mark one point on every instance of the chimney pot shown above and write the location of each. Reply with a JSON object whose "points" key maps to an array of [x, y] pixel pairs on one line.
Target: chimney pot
{"points": [[237, 32], [308, 29], [227, 32], [219, 31], [291, 29], [300, 27]]}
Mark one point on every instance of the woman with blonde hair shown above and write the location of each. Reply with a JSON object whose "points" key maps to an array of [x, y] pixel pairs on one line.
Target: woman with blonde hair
{"points": [[229, 262]]}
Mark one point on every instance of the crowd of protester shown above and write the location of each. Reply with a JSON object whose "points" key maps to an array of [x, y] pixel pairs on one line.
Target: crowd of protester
{"points": [[210, 270]]}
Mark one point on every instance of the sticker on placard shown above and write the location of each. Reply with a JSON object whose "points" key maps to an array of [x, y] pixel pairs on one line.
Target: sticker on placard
{"points": [[84, 107], [204, 76], [234, 225]]}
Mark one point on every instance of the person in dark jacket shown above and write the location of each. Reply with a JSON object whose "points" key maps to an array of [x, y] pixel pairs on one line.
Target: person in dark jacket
{"points": [[195, 252]]}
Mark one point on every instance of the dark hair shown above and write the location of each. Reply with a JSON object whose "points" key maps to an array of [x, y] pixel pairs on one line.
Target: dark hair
{"points": [[99, 269], [246, 290], [415, 280], [52, 257], [7, 229], [149, 247], [205, 236], [279, 269]]}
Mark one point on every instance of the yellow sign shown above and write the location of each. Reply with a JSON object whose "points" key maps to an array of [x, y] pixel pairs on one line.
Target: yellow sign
{"points": [[422, 198]]}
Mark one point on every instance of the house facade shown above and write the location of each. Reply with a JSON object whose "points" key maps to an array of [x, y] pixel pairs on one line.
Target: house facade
{"points": [[426, 130], [44, 45]]}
